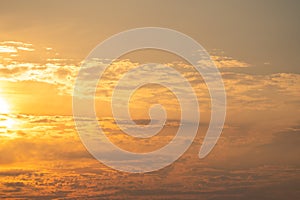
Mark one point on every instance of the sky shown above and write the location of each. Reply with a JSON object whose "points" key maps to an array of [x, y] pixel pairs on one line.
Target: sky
{"points": [[254, 44]]}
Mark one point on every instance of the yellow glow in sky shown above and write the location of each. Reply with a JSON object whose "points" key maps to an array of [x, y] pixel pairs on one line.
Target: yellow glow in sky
{"points": [[4, 107]]}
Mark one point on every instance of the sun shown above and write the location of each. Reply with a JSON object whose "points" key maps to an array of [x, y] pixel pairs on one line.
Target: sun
{"points": [[4, 107]]}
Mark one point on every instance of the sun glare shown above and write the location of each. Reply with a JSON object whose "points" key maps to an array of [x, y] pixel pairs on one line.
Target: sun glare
{"points": [[4, 107]]}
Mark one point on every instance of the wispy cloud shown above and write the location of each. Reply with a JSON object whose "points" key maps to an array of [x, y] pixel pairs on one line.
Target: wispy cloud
{"points": [[242, 89], [7, 49], [13, 47]]}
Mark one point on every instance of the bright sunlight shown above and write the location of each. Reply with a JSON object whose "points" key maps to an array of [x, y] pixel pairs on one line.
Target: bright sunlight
{"points": [[4, 107]]}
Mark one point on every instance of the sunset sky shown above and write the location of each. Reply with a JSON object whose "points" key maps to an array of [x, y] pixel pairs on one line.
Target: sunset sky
{"points": [[254, 44]]}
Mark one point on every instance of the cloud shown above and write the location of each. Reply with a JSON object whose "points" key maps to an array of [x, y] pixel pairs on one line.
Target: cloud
{"points": [[14, 184], [228, 62], [7, 49], [62, 76], [10, 71], [16, 43], [25, 49], [48, 160], [13, 47], [252, 92], [222, 60]]}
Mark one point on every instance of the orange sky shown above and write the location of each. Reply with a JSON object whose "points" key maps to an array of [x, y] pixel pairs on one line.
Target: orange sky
{"points": [[253, 44]]}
